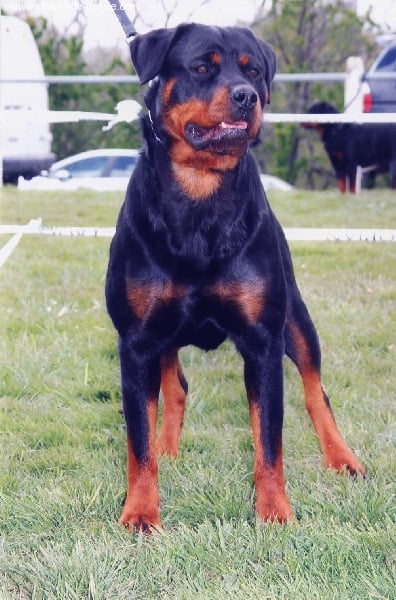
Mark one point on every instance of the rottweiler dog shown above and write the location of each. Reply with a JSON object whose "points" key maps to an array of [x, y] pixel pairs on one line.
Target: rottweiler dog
{"points": [[371, 146], [198, 256]]}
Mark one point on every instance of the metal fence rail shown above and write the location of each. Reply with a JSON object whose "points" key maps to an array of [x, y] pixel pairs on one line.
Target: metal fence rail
{"points": [[279, 78]]}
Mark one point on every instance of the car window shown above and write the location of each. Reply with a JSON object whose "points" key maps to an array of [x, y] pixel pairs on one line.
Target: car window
{"points": [[388, 61], [123, 166], [86, 167]]}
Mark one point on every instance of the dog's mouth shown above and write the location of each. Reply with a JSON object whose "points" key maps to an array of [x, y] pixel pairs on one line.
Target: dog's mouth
{"points": [[219, 137]]}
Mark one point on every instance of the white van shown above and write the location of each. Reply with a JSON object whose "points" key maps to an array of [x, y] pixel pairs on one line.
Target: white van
{"points": [[25, 143]]}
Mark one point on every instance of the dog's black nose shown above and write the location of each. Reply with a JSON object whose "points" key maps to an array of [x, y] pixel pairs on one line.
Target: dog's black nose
{"points": [[244, 96]]}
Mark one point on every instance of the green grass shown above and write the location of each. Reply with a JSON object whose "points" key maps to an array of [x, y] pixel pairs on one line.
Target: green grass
{"points": [[62, 451]]}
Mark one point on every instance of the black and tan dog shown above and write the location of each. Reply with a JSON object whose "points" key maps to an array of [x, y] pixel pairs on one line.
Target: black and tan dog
{"points": [[371, 146], [198, 256]]}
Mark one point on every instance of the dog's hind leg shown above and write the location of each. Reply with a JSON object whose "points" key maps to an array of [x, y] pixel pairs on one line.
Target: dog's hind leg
{"points": [[342, 183], [302, 346], [262, 351], [174, 391]]}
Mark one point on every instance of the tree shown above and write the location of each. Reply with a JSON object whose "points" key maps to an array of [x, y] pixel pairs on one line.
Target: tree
{"points": [[308, 36], [62, 54]]}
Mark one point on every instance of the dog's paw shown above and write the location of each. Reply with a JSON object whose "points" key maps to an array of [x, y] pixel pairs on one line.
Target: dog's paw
{"points": [[146, 521], [345, 463], [167, 446], [279, 512]]}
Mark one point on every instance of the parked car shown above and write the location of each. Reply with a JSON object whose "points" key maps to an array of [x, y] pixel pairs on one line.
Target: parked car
{"points": [[108, 169], [270, 182], [380, 94], [102, 170]]}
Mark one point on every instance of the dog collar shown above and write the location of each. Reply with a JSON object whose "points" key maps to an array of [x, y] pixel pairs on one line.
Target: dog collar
{"points": [[153, 129]]}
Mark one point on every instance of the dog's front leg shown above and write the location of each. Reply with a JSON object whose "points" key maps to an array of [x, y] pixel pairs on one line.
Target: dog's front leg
{"points": [[264, 385], [140, 388]]}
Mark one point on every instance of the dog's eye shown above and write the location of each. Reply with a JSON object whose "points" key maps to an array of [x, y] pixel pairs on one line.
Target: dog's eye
{"points": [[253, 73], [202, 69]]}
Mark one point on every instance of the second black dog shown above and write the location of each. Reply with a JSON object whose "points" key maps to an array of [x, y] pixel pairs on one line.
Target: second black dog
{"points": [[351, 145]]}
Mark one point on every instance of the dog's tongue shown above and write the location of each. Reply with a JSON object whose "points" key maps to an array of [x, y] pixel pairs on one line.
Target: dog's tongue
{"points": [[235, 125]]}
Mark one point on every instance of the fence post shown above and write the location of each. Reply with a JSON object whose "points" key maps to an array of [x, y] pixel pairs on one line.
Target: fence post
{"points": [[353, 94], [1, 155], [353, 97]]}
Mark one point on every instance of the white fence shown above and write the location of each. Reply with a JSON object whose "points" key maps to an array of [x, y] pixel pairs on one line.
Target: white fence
{"points": [[352, 79], [301, 234]]}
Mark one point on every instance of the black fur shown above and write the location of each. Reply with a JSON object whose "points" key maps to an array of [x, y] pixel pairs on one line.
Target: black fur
{"points": [[198, 255]]}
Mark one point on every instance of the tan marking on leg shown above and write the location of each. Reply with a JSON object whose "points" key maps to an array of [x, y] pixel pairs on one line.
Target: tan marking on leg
{"points": [[272, 503], [141, 508], [337, 455], [174, 405]]}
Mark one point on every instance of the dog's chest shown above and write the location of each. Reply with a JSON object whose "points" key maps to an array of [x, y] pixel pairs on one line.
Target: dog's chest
{"points": [[175, 305]]}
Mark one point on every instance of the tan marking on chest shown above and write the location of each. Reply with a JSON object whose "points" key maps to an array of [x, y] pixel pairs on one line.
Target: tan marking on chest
{"points": [[248, 297], [145, 299], [197, 184]]}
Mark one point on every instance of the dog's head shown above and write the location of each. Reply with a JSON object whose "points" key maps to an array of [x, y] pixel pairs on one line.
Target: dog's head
{"points": [[211, 85], [322, 108], [319, 108]]}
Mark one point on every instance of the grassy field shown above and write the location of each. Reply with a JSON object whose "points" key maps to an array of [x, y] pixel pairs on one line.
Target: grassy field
{"points": [[62, 450]]}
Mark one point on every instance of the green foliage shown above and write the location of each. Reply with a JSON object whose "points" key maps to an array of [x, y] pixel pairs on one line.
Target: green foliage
{"points": [[309, 36], [62, 54], [63, 450]]}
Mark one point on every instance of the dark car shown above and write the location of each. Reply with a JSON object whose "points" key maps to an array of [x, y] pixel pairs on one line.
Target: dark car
{"points": [[380, 93]]}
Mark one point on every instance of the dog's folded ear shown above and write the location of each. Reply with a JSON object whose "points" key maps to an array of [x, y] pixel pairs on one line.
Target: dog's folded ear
{"points": [[270, 61], [148, 52]]}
